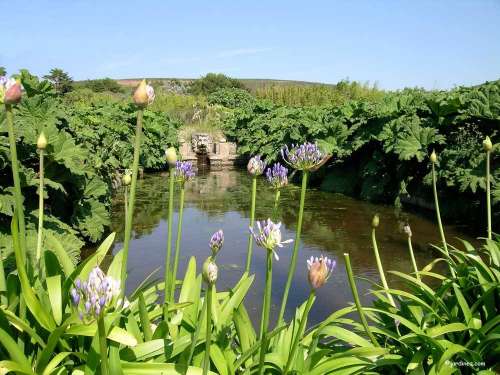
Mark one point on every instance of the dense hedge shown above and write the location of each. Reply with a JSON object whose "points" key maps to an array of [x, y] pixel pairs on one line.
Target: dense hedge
{"points": [[380, 147], [90, 139]]}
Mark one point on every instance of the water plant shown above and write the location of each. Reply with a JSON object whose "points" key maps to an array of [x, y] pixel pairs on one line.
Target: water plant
{"points": [[319, 271], [184, 172], [255, 168], [268, 237], [171, 157], [307, 158]]}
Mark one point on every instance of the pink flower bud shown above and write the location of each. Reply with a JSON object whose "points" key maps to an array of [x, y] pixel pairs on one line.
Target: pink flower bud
{"points": [[320, 270], [13, 92]]}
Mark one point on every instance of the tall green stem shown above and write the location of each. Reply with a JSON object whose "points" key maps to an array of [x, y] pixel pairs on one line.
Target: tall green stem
{"points": [[488, 194], [171, 188], [380, 268], [293, 261], [206, 362], [266, 306], [125, 203], [438, 216], [412, 255], [355, 295], [276, 204], [40, 212], [252, 219], [15, 176], [299, 332], [103, 347], [177, 243], [130, 210]]}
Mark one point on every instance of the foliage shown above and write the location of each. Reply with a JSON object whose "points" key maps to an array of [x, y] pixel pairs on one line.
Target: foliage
{"points": [[3, 72], [231, 98], [90, 140], [61, 80], [102, 85], [319, 94], [385, 141], [212, 82]]}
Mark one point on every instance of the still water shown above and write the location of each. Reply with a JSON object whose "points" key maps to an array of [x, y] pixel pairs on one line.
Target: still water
{"points": [[333, 225]]}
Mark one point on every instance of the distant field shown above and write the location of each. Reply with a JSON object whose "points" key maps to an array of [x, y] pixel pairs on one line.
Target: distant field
{"points": [[251, 83]]}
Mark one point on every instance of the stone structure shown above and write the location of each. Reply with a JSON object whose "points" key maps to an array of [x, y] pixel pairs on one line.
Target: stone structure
{"points": [[202, 148]]}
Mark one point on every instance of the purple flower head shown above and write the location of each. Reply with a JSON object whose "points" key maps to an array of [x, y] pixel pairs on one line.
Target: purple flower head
{"points": [[184, 171], [216, 242], [268, 236], [256, 166], [92, 297], [320, 270], [304, 157], [277, 176]]}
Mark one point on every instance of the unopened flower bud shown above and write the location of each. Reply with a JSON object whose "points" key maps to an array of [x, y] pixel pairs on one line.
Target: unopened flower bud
{"points": [[144, 94], [375, 221], [127, 179], [216, 242], [210, 271], [171, 156], [320, 270], [407, 230], [13, 92], [487, 145], [256, 166], [41, 142], [433, 157]]}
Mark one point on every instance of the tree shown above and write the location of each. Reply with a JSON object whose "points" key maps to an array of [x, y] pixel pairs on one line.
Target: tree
{"points": [[213, 82], [61, 80], [2, 71]]}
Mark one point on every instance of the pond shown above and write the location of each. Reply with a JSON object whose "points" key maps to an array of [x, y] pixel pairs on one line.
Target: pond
{"points": [[333, 224]]}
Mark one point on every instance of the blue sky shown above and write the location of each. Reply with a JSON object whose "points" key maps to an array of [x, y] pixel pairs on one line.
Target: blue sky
{"points": [[432, 44]]}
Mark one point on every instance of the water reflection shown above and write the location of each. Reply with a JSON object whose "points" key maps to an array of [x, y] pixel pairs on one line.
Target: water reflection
{"points": [[333, 224]]}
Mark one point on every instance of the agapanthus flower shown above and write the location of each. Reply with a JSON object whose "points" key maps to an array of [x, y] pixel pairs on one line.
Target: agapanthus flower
{"points": [[268, 236], [216, 242], [277, 176], [407, 230], [11, 90], [320, 270], [305, 157], [256, 166], [93, 297], [184, 171]]}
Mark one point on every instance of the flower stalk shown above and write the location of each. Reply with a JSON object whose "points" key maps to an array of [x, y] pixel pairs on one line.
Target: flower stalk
{"points": [[41, 145], [375, 223], [210, 273], [103, 347], [131, 201], [17, 182], [177, 242], [171, 187], [408, 232], [293, 261], [357, 302], [252, 220], [488, 146], [433, 159], [266, 307]]}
